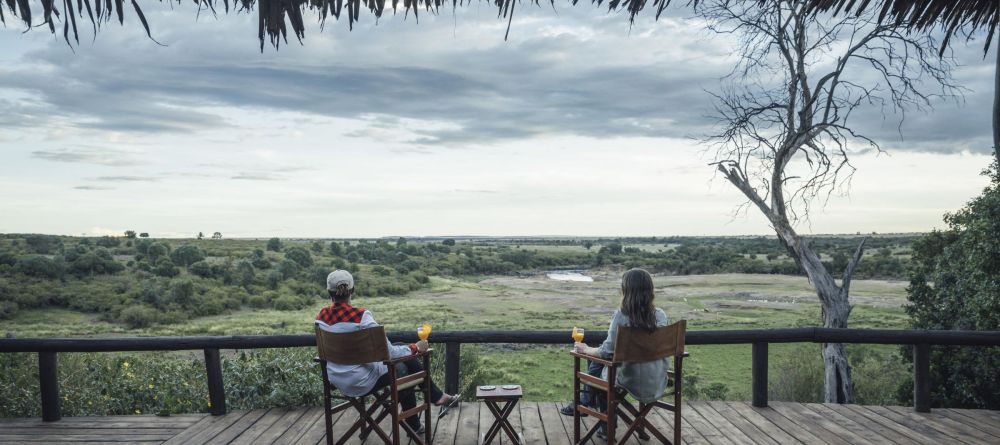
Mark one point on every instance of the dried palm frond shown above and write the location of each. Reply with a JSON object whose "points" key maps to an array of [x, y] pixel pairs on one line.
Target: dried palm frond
{"points": [[276, 15], [953, 16]]}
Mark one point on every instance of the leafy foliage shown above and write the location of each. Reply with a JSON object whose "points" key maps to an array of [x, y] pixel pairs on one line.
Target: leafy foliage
{"points": [[954, 285]]}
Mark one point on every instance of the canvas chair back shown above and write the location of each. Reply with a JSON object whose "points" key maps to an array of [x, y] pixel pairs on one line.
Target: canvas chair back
{"points": [[352, 348], [640, 345]]}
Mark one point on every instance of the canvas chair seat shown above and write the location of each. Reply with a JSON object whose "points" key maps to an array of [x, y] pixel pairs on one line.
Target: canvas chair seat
{"points": [[368, 346], [632, 346]]}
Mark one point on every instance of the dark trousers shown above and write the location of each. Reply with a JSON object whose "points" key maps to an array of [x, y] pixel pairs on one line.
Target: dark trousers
{"points": [[587, 396], [408, 398]]}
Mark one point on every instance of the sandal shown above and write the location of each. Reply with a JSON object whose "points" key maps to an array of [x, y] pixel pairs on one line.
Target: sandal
{"points": [[447, 406]]}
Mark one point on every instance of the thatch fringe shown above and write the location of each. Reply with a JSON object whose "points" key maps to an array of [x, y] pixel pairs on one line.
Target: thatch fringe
{"points": [[953, 16]]}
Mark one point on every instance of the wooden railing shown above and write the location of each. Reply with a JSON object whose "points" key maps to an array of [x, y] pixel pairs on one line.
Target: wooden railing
{"points": [[922, 341]]}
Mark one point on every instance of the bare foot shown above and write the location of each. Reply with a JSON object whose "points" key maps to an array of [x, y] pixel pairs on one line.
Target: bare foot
{"points": [[446, 399]]}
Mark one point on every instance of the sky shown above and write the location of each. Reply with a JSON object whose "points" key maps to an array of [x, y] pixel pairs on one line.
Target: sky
{"points": [[576, 125]]}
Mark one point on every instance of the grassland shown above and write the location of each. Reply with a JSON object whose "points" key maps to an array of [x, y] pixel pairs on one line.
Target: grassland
{"points": [[722, 301]]}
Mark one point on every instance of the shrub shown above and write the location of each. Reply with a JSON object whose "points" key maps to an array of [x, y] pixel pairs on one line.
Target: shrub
{"points": [[288, 303], [244, 273], [201, 269], [39, 266], [108, 241], [274, 245], [187, 255], [288, 269], [257, 301], [165, 268], [138, 317], [300, 256], [96, 262], [7, 309]]}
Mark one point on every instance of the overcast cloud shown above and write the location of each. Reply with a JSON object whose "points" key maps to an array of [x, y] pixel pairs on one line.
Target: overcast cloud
{"points": [[575, 114]]}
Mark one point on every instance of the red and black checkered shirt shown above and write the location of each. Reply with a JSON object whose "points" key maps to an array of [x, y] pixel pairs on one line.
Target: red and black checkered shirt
{"points": [[340, 313]]}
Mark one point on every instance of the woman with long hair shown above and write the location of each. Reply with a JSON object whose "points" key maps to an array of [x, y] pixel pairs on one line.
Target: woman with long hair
{"points": [[646, 381]]}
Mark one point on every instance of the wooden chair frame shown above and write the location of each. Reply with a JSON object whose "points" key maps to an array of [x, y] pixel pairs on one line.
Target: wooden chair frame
{"points": [[629, 347], [364, 347]]}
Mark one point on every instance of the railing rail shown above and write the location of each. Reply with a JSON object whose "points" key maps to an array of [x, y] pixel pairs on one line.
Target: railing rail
{"points": [[922, 340]]}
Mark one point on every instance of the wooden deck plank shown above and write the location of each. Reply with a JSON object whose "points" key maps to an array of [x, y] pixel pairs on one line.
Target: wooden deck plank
{"points": [[800, 432], [77, 431], [890, 430], [295, 433], [467, 432], [558, 428], [445, 427], [205, 429], [316, 433], [862, 429], [52, 438], [991, 425], [951, 427], [914, 436], [531, 424], [988, 427], [827, 430], [540, 423], [237, 428], [727, 429], [278, 428], [20, 442], [774, 431], [754, 432], [918, 425], [705, 428]]}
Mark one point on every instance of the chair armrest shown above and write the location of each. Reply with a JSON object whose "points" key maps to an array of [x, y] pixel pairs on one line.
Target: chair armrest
{"points": [[592, 358], [408, 357]]}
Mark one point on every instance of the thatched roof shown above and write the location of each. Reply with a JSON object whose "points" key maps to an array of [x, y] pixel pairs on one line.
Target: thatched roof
{"points": [[275, 16], [953, 16]]}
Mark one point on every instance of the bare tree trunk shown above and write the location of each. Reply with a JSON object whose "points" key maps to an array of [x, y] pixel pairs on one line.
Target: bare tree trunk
{"points": [[996, 107], [838, 385]]}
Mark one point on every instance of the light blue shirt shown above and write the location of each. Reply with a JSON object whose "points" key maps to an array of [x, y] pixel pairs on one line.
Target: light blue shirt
{"points": [[646, 381]]}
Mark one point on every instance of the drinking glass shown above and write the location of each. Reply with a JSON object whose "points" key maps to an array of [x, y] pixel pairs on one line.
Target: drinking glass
{"points": [[424, 332], [578, 334]]}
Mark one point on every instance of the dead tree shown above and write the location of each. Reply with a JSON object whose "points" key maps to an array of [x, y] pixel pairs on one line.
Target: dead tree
{"points": [[785, 132]]}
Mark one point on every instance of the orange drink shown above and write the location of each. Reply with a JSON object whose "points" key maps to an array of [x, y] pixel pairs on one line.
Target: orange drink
{"points": [[424, 332], [577, 334]]}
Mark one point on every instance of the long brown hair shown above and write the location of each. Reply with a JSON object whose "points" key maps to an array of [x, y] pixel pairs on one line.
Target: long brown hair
{"points": [[637, 299]]}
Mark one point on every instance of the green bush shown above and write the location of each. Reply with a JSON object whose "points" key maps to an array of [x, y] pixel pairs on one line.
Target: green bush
{"points": [[300, 256], [7, 309], [39, 266], [139, 317], [187, 255]]}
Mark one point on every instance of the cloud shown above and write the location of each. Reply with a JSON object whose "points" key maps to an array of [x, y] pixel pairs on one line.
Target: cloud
{"points": [[583, 73], [127, 178], [257, 176], [92, 187], [107, 157]]}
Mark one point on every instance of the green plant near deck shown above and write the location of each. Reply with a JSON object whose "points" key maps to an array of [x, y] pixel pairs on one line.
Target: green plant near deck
{"points": [[174, 383]]}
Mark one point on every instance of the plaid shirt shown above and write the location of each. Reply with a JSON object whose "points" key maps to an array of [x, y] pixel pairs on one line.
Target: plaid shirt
{"points": [[340, 313], [355, 380]]}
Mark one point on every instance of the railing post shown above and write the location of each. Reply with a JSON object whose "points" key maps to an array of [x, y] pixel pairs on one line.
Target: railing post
{"points": [[48, 384], [452, 357], [216, 389], [922, 378], [759, 374]]}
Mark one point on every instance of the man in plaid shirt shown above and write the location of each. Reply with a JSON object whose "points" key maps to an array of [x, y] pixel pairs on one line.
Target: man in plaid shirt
{"points": [[363, 379]]}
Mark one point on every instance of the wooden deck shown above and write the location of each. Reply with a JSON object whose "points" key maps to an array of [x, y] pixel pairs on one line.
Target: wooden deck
{"points": [[540, 423]]}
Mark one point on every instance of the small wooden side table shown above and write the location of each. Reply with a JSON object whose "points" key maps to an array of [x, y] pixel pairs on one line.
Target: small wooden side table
{"points": [[492, 399]]}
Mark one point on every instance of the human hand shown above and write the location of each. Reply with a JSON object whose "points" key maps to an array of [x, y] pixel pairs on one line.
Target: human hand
{"points": [[422, 346], [580, 348]]}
